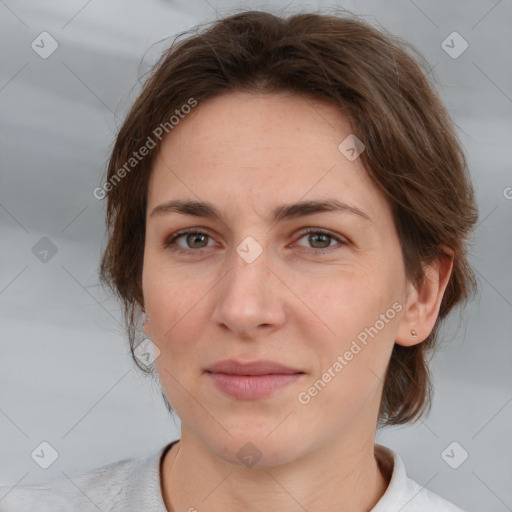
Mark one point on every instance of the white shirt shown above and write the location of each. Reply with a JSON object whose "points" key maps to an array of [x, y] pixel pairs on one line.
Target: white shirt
{"points": [[134, 485]]}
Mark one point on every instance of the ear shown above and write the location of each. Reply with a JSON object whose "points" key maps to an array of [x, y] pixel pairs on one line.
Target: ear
{"points": [[423, 302]]}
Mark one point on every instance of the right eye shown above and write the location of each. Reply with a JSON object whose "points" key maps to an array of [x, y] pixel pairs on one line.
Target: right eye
{"points": [[191, 237]]}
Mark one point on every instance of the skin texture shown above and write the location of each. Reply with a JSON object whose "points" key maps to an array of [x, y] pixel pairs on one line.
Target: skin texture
{"points": [[247, 154]]}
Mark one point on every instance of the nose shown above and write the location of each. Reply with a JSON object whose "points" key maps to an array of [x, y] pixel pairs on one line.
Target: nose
{"points": [[249, 299]]}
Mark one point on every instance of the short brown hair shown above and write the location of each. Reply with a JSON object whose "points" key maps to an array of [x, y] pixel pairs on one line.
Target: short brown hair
{"points": [[412, 152]]}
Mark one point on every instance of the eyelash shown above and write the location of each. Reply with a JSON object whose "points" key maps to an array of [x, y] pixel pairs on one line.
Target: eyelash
{"points": [[170, 242]]}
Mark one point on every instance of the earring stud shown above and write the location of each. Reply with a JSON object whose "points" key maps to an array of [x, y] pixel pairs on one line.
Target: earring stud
{"points": [[146, 321], [413, 333]]}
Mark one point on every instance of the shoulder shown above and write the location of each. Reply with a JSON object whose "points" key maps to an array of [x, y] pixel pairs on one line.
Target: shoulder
{"points": [[404, 494], [423, 500], [111, 487], [82, 492]]}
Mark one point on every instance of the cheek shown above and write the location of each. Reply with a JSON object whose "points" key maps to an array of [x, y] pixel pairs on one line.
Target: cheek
{"points": [[353, 301], [358, 314], [178, 321], [180, 308], [169, 294]]}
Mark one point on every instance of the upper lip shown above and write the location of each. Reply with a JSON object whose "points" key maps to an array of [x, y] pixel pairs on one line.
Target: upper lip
{"points": [[263, 367]]}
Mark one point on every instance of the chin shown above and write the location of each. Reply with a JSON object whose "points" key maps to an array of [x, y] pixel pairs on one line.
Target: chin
{"points": [[253, 449]]}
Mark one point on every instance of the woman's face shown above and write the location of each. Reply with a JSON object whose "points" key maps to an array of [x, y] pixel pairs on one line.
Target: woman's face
{"points": [[253, 285]]}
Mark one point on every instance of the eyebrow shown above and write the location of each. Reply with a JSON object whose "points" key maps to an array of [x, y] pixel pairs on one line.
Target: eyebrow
{"points": [[280, 213]]}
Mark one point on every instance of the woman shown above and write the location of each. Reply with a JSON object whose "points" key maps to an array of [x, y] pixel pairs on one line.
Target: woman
{"points": [[320, 177]]}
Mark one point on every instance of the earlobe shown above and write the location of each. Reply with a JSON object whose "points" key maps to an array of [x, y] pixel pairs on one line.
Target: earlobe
{"points": [[424, 301]]}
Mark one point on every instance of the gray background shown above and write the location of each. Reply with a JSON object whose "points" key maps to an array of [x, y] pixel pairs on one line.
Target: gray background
{"points": [[65, 372]]}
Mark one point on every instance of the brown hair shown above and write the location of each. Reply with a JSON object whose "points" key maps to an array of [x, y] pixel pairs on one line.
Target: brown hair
{"points": [[412, 152]]}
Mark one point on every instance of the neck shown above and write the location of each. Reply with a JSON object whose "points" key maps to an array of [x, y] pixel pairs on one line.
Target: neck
{"points": [[341, 476]]}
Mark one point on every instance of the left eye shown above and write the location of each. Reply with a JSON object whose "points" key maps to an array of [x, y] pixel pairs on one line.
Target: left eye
{"points": [[194, 236], [321, 237]]}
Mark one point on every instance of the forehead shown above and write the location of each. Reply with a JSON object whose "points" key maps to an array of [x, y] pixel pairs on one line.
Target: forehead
{"points": [[239, 148]]}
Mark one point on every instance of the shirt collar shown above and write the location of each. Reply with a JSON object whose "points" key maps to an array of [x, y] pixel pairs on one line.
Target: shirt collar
{"points": [[145, 484]]}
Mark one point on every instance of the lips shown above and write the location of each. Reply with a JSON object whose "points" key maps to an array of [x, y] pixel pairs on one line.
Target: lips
{"points": [[250, 381], [264, 367]]}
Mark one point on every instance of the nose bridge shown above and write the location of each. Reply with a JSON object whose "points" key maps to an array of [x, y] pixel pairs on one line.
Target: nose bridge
{"points": [[247, 296], [248, 274]]}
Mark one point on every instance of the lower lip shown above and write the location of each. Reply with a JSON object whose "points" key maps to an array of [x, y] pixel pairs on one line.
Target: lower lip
{"points": [[252, 386]]}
